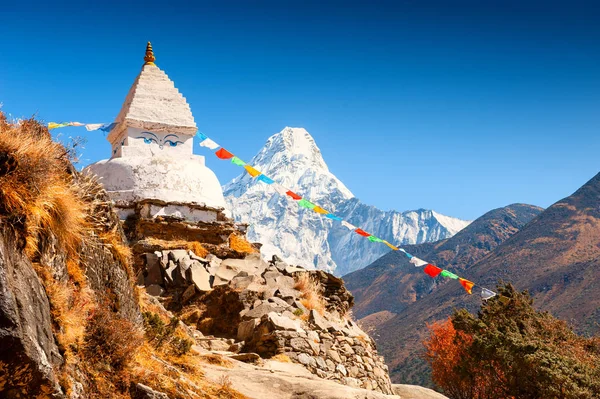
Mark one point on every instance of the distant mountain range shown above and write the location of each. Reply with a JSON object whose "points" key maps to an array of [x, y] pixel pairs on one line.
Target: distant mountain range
{"points": [[299, 236], [556, 256]]}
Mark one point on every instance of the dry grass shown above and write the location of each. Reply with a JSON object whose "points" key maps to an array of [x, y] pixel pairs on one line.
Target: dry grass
{"points": [[36, 191], [281, 357], [311, 290], [240, 244], [217, 360], [193, 246]]}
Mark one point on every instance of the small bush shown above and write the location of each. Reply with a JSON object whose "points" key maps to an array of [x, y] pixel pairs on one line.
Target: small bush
{"points": [[298, 312], [311, 290], [111, 339]]}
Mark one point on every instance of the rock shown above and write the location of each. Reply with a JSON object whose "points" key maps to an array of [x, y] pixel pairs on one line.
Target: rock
{"points": [[198, 276], [243, 280], [307, 360], [27, 345], [416, 392], [246, 357], [300, 345], [314, 346], [176, 255], [321, 363], [294, 269], [279, 302], [189, 292], [153, 270], [283, 323], [246, 329], [261, 310], [313, 336], [195, 257], [226, 272], [334, 356], [285, 282], [287, 293], [236, 347], [155, 290], [319, 321], [141, 391], [341, 369]]}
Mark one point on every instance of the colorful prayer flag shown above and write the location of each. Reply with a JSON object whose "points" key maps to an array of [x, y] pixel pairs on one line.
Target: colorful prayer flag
{"points": [[332, 216], [236, 161], [417, 262], [265, 179], [306, 204], [447, 274], [390, 245], [251, 171], [362, 232], [468, 285], [487, 294], [54, 125], [201, 136], [432, 271], [320, 210], [375, 239], [293, 195], [348, 225], [222, 153], [208, 143]]}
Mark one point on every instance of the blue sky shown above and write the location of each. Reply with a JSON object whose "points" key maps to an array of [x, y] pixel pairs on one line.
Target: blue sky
{"points": [[455, 106]]}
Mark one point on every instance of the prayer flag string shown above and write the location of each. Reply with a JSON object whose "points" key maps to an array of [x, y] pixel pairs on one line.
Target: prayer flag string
{"points": [[430, 269]]}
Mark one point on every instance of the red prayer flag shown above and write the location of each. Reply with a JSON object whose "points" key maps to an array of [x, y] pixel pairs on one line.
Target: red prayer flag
{"points": [[362, 232], [468, 286], [223, 154], [432, 271], [294, 195]]}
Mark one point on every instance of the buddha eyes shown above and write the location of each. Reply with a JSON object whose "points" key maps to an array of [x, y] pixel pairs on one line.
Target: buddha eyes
{"points": [[173, 143], [149, 140]]}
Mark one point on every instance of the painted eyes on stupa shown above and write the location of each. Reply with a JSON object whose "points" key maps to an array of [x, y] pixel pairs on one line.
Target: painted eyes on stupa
{"points": [[161, 142]]}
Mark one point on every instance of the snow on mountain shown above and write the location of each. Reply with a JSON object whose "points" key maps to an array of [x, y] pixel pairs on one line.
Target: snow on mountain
{"points": [[300, 236]]}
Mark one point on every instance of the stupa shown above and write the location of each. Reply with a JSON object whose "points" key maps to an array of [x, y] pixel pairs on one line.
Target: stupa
{"points": [[152, 170]]}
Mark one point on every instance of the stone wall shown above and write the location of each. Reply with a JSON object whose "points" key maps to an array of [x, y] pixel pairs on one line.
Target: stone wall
{"points": [[257, 307]]}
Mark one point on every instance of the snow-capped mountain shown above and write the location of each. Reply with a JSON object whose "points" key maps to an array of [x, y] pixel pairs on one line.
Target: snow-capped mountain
{"points": [[301, 236]]}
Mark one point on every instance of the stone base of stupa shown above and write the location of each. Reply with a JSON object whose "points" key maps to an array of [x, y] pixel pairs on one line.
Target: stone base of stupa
{"points": [[154, 208]]}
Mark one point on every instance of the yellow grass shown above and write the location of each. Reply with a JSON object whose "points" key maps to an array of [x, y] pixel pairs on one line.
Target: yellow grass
{"points": [[240, 244], [193, 246], [311, 296], [281, 357]]}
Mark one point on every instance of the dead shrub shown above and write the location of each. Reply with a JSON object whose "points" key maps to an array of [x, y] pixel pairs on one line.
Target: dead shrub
{"points": [[311, 290], [193, 246], [240, 244], [111, 340]]}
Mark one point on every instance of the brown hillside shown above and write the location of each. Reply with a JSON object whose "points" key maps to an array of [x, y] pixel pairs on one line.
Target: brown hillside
{"points": [[556, 257]]}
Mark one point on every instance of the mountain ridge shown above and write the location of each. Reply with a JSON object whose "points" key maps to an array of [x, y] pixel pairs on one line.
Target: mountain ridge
{"points": [[293, 159]]}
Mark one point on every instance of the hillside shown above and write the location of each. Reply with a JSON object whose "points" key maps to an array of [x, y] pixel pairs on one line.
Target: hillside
{"points": [[293, 159], [391, 282], [556, 257]]}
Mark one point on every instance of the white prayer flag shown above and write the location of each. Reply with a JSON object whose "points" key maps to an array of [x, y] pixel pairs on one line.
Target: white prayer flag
{"points": [[417, 262], [210, 144], [279, 188], [93, 126], [487, 294], [348, 225]]}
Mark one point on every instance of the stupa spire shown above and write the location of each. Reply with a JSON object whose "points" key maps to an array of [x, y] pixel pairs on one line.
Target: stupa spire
{"points": [[149, 58]]}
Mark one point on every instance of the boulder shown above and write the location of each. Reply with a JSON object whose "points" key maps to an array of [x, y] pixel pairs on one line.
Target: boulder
{"points": [[246, 329], [319, 321], [153, 273], [155, 290], [261, 310], [141, 391], [198, 276], [283, 323]]}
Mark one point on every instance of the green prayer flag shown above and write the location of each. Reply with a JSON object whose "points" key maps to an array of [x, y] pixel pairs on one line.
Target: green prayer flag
{"points": [[236, 161], [446, 273], [375, 239], [306, 204]]}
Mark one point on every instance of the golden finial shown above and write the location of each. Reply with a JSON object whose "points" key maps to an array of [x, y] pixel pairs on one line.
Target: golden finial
{"points": [[149, 58]]}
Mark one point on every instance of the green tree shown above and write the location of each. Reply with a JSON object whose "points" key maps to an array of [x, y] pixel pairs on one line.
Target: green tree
{"points": [[514, 351]]}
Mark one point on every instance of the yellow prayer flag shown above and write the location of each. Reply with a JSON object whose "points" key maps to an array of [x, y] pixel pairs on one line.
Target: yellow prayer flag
{"points": [[251, 171], [390, 245], [320, 210]]}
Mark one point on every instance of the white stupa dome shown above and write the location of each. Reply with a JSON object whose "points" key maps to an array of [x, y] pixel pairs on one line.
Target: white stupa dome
{"points": [[152, 142]]}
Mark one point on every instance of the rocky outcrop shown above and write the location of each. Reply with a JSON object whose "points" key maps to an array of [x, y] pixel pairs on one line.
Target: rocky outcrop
{"points": [[260, 307], [28, 350]]}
